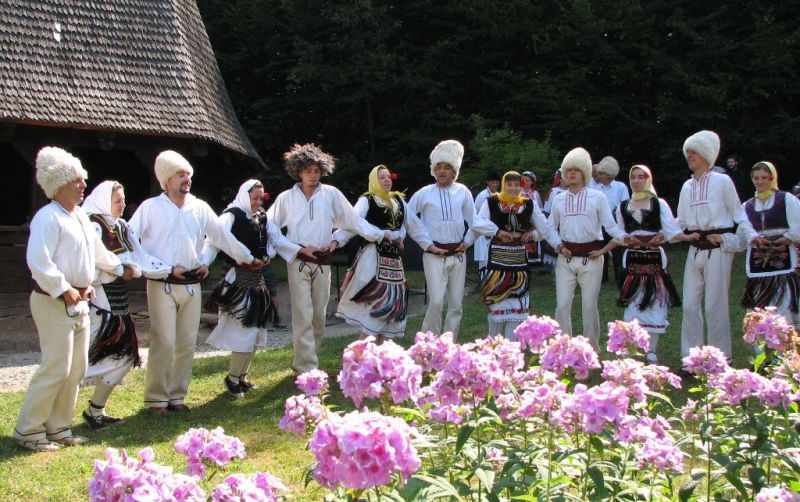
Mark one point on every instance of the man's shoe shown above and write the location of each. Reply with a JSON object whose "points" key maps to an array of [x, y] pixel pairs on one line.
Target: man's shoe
{"points": [[71, 441], [100, 421], [160, 411], [177, 407], [234, 388], [246, 384], [38, 445], [651, 358]]}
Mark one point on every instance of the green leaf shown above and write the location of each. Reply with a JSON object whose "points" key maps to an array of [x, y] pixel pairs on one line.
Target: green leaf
{"points": [[486, 477], [599, 482], [463, 434], [758, 477], [758, 361], [441, 487], [686, 491]]}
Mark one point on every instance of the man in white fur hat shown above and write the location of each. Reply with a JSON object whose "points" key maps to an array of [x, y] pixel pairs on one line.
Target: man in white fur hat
{"points": [[310, 211], [604, 180], [578, 216], [445, 207], [709, 211], [172, 227], [62, 253]]}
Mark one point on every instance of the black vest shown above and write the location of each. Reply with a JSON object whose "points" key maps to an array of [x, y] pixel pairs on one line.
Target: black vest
{"points": [[503, 220], [774, 217], [252, 232], [651, 218], [382, 217], [114, 239]]}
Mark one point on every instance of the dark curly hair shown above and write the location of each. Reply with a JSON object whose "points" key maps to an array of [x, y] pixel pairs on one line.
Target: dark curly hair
{"points": [[300, 156]]}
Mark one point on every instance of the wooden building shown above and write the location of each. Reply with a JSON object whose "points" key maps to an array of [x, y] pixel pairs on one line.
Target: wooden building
{"points": [[114, 82]]}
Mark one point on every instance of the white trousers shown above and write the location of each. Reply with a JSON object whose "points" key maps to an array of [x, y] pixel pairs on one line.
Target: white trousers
{"points": [[707, 274], [310, 290], [53, 392], [174, 320], [588, 274], [444, 276]]}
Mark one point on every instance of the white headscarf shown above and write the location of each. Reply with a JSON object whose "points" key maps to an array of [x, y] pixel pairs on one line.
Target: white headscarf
{"points": [[99, 201], [242, 200]]}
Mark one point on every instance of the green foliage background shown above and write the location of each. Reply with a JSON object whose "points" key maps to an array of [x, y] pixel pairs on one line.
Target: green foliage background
{"points": [[377, 81]]}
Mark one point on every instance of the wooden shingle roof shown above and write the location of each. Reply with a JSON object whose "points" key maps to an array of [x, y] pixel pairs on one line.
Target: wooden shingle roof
{"points": [[139, 66]]}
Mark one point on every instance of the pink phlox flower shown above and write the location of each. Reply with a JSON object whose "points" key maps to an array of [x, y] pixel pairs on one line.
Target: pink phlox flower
{"points": [[312, 383], [660, 377], [707, 360], [432, 352], [661, 453], [534, 332], [120, 477], [495, 458], [735, 385], [469, 376], [690, 411], [508, 353], [262, 487], [300, 412], [777, 494], [776, 392], [599, 405], [626, 338], [370, 371], [362, 450], [629, 374], [633, 429], [570, 352], [766, 325], [202, 446]]}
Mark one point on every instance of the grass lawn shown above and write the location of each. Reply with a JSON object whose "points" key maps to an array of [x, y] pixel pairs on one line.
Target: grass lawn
{"points": [[63, 475]]}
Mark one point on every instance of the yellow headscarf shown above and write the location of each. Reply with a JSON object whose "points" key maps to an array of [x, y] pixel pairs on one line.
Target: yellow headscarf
{"points": [[503, 195], [649, 190], [376, 190], [773, 186]]}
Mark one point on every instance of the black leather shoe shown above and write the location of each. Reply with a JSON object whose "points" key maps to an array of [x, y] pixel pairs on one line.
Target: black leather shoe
{"points": [[246, 384], [100, 421], [234, 389]]}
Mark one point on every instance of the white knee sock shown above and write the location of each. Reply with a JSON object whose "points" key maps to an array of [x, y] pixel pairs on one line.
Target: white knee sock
{"points": [[99, 398], [239, 364]]}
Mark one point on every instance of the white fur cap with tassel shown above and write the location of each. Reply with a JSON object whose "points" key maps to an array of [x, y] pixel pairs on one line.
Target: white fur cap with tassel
{"points": [[449, 151]]}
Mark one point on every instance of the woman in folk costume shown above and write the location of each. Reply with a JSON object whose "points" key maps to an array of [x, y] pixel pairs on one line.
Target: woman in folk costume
{"points": [[647, 290], [512, 220], [114, 347], [242, 297], [549, 255], [529, 190], [375, 293], [771, 276]]}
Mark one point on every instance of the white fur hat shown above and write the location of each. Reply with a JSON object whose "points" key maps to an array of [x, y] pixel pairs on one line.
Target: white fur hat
{"points": [[705, 143], [168, 163], [55, 168], [580, 158], [449, 151], [608, 165]]}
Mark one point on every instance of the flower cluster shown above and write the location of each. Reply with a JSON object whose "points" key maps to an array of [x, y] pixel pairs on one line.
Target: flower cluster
{"points": [[120, 477], [534, 332], [707, 360], [312, 383], [626, 338], [372, 371], [201, 445], [767, 326], [263, 487], [629, 374], [777, 494], [662, 454], [362, 450], [300, 412], [431, 351], [570, 352], [597, 406]]}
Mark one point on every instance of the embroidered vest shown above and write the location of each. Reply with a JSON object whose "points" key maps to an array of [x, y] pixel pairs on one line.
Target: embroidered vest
{"points": [[382, 217], [510, 221], [651, 218], [115, 239], [252, 232], [774, 217]]}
